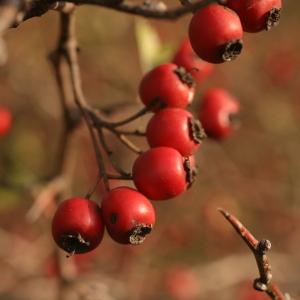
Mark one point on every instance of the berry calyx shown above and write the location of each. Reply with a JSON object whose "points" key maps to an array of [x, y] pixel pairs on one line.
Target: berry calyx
{"points": [[216, 34], [187, 58], [191, 170], [168, 85], [159, 173], [218, 112], [128, 215], [77, 225], [175, 128]]}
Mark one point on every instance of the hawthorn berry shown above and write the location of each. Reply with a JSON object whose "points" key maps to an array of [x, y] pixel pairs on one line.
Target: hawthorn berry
{"points": [[187, 58], [175, 128], [247, 292], [161, 173], [217, 112], [281, 65], [5, 121], [181, 283], [167, 85], [257, 15], [128, 215], [216, 33], [77, 226]]}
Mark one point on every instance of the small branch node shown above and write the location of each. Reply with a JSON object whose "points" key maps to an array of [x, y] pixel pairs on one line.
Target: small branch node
{"points": [[263, 246]]}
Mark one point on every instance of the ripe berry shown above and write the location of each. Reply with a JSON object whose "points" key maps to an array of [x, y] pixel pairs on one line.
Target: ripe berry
{"points": [[247, 292], [187, 58], [175, 128], [161, 173], [181, 283], [128, 215], [216, 34], [257, 15], [281, 66], [217, 111], [77, 226], [5, 121], [167, 84]]}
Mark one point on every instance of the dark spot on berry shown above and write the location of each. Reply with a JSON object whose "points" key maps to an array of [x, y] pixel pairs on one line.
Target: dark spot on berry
{"points": [[113, 218]]}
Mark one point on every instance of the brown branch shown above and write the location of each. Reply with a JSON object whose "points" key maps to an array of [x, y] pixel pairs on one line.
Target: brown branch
{"points": [[148, 12], [37, 8], [136, 132], [99, 122], [259, 249], [109, 153]]}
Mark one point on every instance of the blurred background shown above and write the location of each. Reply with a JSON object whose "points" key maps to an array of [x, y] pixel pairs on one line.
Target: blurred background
{"points": [[192, 253]]}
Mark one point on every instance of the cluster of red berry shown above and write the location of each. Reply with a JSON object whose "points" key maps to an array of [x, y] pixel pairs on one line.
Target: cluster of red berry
{"points": [[167, 169], [163, 172], [216, 31]]}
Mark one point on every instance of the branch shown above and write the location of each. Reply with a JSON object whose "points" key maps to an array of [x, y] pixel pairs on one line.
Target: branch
{"points": [[149, 12], [259, 250], [37, 8]]}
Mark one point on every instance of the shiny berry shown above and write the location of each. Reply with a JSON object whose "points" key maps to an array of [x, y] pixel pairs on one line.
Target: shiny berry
{"points": [[257, 15], [128, 215], [77, 226], [217, 112], [166, 85], [216, 34], [187, 58], [5, 121], [160, 173], [175, 128]]}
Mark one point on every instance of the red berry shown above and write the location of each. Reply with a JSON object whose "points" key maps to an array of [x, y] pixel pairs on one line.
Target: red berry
{"points": [[182, 283], [216, 34], [281, 65], [217, 111], [161, 173], [247, 292], [170, 85], [77, 226], [187, 58], [128, 215], [5, 121], [257, 15], [175, 128]]}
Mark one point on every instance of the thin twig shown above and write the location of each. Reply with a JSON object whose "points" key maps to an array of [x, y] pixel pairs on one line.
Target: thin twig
{"points": [[119, 177], [99, 122], [259, 249], [69, 48], [136, 132], [129, 144], [109, 153]]}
